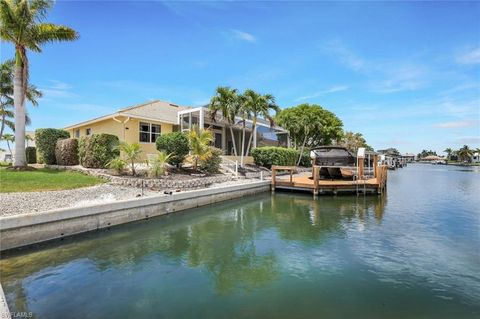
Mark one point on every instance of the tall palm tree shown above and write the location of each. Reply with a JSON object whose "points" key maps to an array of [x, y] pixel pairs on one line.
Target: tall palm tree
{"points": [[226, 101], [449, 152], [258, 105], [6, 99], [9, 138], [465, 153], [21, 24], [199, 140]]}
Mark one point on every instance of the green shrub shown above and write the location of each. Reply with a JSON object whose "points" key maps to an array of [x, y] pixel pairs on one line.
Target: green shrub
{"points": [[31, 154], [270, 155], [66, 152], [212, 164], [97, 150], [306, 161], [118, 165], [46, 141], [176, 144]]}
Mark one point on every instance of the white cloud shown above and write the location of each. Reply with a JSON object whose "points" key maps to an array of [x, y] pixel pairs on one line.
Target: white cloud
{"points": [[242, 35], [468, 140], [456, 124], [471, 56], [340, 51], [333, 89], [57, 89]]}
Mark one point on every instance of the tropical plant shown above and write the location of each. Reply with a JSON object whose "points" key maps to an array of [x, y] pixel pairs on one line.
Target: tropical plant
{"points": [[131, 153], [353, 141], [117, 164], [96, 150], [9, 138], [258, 105], [226, 102], [199, 140], [465, 153], [158, 164], [449, 152], [175, 144], [310, 126], [212, 163], [21, 24], [46, 141], [6, 99]]}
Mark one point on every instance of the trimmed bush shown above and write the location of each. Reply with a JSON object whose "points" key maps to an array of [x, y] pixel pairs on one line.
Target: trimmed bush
{"points": [[46, 141], [212, 164], [176, 144], [66, 152], [31, 153], [97, 150], [270, 155]]}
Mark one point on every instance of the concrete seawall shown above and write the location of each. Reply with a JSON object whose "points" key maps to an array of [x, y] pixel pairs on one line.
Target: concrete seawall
{"points": [[22, 230]]}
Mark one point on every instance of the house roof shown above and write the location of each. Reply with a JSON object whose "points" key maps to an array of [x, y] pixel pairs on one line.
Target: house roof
{"points": [[157, 110]]}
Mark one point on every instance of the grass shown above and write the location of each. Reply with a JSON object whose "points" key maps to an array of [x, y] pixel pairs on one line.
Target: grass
{"points": [[43, 180]]}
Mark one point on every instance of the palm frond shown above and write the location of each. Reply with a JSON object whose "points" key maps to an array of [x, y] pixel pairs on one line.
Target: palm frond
{"points": [[49, 32]]}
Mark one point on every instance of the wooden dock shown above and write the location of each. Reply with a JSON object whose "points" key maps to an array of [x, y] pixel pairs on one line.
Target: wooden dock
{"points": [[375, 184]]}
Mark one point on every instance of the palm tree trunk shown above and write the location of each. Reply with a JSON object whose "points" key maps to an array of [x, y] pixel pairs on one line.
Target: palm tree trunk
{"points": [[233, 142], [250, 139], [243, 144], [3, 126], [9, 149], [19, 103]]}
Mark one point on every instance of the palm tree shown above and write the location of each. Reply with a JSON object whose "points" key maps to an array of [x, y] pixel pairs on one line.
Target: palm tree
{"points": [[465, 153], [226, 101], [131, 153], [28, 138], [199, 140], [6, 99], [449, 152], [9, 138], [258, 105], [20, 24]]}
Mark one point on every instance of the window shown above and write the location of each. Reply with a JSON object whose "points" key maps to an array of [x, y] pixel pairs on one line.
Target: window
{"points": [[88, 131], [149, 132], [77, 133]]}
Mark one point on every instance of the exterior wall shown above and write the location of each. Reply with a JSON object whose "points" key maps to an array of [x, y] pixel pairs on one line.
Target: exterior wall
{"points": [[131, 133]]}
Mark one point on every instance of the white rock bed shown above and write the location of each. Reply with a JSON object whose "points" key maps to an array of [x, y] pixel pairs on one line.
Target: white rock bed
{"points": [[35, 202]]}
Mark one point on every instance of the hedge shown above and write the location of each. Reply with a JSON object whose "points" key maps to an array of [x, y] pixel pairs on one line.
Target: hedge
{"points": [[212, 164], [31, 154], [175, 143], [270, 155], [66, 152], [306, 161], [46, 142], [97, 150]]}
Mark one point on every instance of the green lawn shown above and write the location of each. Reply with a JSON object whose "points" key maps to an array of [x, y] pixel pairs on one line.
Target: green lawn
{"points": [[43, 180]]}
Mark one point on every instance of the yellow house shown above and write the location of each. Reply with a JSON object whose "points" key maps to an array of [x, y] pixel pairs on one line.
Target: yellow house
{"points": [[141, 123]]}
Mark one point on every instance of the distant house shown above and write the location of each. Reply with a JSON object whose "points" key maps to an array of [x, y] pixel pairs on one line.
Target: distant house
{"points": [[476, 157], [409, 157], [143, 123]]}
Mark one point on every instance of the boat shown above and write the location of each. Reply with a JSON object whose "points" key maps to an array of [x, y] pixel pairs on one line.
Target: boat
{"points": [[336, 162]]}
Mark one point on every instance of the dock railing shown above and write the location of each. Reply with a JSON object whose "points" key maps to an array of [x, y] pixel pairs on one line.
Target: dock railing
{"points": [[276, 168]]}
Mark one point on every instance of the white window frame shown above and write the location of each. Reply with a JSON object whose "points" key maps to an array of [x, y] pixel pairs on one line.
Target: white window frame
{"points": [[149, 132]]}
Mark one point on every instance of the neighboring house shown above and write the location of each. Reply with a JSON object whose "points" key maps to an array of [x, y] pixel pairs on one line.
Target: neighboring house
{"points": [[143, 123], [409, 157]]}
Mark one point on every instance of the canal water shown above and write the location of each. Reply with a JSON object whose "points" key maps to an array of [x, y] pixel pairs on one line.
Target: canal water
{"points": [[414, 253]]}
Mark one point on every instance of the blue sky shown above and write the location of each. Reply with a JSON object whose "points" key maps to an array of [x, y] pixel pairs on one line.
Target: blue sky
{"points": [[405, 74]]}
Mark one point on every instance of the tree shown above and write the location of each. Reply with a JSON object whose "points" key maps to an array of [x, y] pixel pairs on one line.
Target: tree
{"points": [[131, 153], [200, 140], [258, 105], [310, 126], [449, 152], [21, 25], [353, 141], [465, 153], [425, 153], [6, 99], [225, 101], [9, 138]]}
